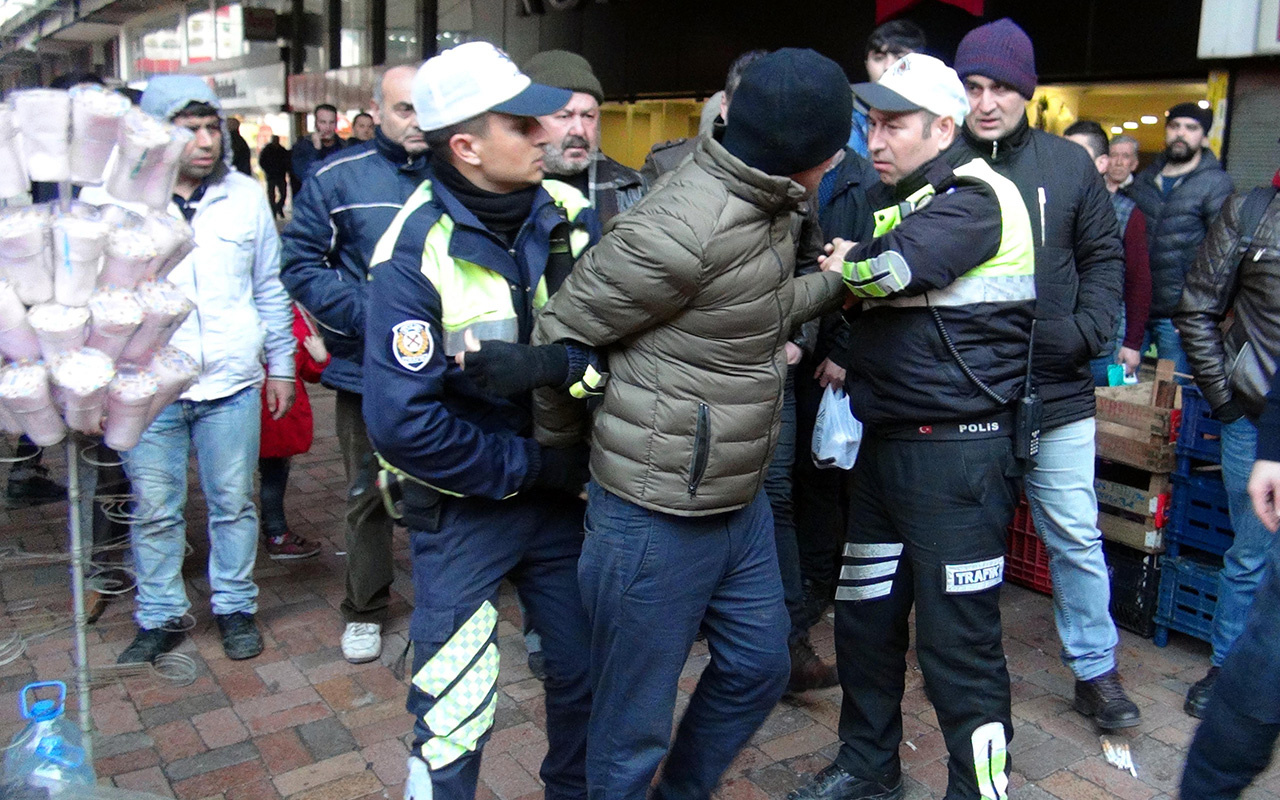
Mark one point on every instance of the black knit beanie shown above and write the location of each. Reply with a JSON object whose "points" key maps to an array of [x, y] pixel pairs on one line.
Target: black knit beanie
{"points": [[791, 112], [1193, 110]]}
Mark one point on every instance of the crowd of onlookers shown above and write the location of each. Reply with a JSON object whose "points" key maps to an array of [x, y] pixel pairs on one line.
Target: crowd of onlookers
{"points": [[512, 321]]}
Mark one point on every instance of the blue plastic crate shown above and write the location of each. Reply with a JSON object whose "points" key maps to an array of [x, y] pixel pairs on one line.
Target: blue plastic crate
{"points": [[1199, 435], [1200, 515], [1188, 598]]}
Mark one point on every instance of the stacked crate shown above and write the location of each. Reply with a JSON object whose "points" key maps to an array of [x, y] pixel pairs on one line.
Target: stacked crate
{"points": [[1199, 529], [1137, 425]]}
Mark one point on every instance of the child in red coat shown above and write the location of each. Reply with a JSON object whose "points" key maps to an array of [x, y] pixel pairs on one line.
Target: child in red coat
{"points": [[284, 438]]}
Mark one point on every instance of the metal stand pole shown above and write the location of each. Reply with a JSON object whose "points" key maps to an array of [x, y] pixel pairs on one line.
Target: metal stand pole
{"points": [[79, 563]]}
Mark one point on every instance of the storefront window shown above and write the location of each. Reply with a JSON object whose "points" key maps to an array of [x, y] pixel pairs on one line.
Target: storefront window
{"points": [[200, 33], [402, 33], [231, 41], [355, 33], [157, 48], [316, 60]]}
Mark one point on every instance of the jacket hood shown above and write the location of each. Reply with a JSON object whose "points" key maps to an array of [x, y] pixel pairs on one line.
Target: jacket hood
{"points": [[166, 95], [770, 192]]}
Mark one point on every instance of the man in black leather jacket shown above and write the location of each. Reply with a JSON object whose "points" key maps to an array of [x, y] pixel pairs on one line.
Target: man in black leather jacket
{"points": [[1180, 193], [1079, 277], [1234, 369]]}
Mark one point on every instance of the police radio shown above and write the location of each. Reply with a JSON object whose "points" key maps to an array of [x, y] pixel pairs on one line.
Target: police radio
{"points": [[1029, 414]]}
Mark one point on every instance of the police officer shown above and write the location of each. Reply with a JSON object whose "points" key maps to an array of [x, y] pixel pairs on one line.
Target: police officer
{"points": [[467, 256], [947, 289]]}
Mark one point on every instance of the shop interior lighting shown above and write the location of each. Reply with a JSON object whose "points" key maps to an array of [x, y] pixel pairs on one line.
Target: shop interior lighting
{"points": [[1149, 120], [1117, 129], [1130, 125], [1203, 103]]}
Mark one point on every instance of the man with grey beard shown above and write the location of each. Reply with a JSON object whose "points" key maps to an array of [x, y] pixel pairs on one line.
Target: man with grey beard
{"points": [[573, 155]]}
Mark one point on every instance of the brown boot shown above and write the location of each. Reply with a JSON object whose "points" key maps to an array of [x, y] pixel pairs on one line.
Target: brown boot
{"points": [[808, 671]]}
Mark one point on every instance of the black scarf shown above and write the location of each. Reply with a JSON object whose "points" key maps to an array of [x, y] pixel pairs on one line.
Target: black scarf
{"points": [[502, 214]]}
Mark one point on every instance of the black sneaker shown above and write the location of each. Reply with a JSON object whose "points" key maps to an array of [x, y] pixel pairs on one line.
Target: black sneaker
{"points": [[1200, 692], [153, 642], [30, 485], [538, 665], [1103, 700], [834, 783], [240, 636]]}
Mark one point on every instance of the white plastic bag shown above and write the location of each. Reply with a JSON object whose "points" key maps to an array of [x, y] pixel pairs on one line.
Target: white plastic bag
{"points": [[837, 433]]}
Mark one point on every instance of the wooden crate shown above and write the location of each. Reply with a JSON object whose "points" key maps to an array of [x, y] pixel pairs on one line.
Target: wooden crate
{"points": [[1136, 424]]}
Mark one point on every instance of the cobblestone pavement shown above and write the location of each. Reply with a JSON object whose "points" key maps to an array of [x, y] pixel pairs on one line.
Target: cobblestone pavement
{"points": [[299, 722]]}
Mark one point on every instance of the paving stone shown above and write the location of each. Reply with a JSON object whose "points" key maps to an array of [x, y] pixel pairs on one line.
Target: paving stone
{"points": [[320, 773], [150, 780], [211, 760], [109, 746], [1047, 758], [325, 738], [506, 777], [351, 787], [220, 727], [220, 780], [183, 709], [283, 751]]}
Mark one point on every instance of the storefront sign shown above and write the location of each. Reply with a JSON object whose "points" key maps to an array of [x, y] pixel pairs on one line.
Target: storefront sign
{"points": [[255, 87], [1227, 29], [259, 24]]}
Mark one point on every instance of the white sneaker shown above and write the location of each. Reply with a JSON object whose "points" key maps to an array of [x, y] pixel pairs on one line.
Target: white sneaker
{"points": [[362, 641]]}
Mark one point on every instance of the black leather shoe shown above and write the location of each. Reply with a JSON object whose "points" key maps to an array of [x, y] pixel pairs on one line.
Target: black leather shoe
{"points": [[153, 642], [834, 783], [240, 636], [1200, 692], [808, 671], [1103, 700], [31, 486]]}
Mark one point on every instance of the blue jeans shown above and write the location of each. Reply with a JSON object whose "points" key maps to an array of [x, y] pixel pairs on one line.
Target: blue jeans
{"points": [[778, 487], [648, 581], [1065, 509], [1246, 559], [1241, 724], [1168, 342], [225, 434]]}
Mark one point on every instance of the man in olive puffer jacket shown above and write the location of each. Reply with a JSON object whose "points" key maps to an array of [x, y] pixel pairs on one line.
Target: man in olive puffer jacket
{"points": [[692, 296]]}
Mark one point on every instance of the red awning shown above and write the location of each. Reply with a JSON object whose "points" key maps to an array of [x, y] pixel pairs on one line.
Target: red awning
{"points": [[888, 9]]}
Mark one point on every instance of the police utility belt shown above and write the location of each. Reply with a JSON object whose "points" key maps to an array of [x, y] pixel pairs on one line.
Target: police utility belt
{"points": [[996, 426], [407, 500], [1027, 410]]}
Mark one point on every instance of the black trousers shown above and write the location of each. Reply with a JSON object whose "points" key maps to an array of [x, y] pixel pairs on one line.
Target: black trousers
{"points": [[820, 496], [927, 527]]}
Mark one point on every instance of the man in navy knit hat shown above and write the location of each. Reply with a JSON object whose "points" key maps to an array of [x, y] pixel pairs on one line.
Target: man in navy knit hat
{"points": [[692, 294], [1079, 281]]}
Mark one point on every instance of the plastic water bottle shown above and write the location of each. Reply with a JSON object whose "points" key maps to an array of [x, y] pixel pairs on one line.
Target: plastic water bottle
{"points": [[46, 754]]}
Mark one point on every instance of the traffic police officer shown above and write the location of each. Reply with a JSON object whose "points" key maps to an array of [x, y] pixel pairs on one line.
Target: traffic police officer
{"points": [[947, 290], [469, 254]]}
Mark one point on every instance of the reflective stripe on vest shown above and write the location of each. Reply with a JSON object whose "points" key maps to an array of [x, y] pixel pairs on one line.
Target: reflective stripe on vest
{"points": [[474, 297], [1006, 277]]}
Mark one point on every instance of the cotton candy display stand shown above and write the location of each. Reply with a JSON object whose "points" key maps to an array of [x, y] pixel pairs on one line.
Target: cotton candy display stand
{"points": [[85, 312]]}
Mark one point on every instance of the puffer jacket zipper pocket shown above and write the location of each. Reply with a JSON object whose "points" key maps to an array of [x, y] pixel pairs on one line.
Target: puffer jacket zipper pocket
{"points": [[701, 446]]}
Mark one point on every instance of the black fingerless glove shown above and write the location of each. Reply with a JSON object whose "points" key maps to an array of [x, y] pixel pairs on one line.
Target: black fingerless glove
{"points": [[505, 369], [565, 469]]}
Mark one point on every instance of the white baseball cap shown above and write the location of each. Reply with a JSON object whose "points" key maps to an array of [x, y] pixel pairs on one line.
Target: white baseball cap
{"points": [[475, 77], [917, 82]]}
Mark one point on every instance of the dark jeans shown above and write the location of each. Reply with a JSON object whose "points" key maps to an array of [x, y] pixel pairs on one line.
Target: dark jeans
{"points": [[535, 539], [273, 480], [928, 526], [369, 563], [777, 485], [821, 496], [649, 580], [1235, 742], [276, 191]]}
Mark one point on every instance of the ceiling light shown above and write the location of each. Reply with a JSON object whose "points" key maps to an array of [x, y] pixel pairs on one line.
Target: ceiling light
{"points": [[1203, 103], [1149, 120], [1117, 129], [1130, 125]]}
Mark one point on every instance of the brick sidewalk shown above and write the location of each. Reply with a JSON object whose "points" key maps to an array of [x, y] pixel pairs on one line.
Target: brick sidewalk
{"points": [[299, 722]]}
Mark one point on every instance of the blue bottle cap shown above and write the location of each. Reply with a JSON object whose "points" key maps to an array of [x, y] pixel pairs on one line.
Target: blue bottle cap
{"points": [[45, 710]]}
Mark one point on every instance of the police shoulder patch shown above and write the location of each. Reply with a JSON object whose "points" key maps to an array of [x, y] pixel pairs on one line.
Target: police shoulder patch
{"points": [[411, 344]]}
